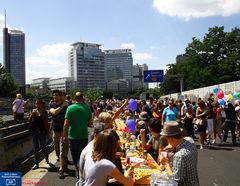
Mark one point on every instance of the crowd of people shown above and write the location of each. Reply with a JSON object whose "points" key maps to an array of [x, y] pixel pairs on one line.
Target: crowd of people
{"points": [[165, 125]]}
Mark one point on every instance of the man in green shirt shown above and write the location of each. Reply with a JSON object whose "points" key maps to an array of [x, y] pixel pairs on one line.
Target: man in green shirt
{"points": [[77, 119]]}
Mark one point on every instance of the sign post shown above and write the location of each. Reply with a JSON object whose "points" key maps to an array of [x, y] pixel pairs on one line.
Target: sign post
{"points": [[153, 76]]}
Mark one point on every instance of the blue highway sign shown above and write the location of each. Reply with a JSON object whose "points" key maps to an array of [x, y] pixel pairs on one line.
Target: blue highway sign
{"points": [[153, 76]]}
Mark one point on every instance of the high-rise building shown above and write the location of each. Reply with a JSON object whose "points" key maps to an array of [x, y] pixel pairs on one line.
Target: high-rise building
{"points": [[180, 58], [119, 87], [119, 65], [86, 65], [14, 55], [138, 72]]}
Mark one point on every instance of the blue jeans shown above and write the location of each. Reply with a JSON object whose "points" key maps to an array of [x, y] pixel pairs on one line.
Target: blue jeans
{"points": [[39, 137], [76, 147]]}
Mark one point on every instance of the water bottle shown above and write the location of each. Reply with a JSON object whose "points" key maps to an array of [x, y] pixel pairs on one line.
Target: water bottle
{"points": [[133, 143]]}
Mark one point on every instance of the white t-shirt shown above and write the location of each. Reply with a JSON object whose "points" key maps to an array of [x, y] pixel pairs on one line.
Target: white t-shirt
{"points": [[97, 173], [237, 109], [82, 160]]}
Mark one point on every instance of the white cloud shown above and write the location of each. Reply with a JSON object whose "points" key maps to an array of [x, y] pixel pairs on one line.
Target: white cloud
{"points": [[34, 74], [50, 61], [36, 60], [37, 67], [128, 45], [141, 56], [54, 50], [187, 9], [60, 73]]}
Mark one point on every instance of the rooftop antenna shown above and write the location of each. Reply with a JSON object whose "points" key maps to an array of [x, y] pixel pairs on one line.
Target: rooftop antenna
{"points": [[5, 18]]}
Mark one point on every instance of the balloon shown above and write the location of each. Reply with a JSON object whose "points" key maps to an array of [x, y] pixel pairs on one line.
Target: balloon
{"points": [[226, 98], [132, 105], [220, 95], [131, 124], [221, 102], [238, 94], [230, 97], [215, 90], [235, 95]]}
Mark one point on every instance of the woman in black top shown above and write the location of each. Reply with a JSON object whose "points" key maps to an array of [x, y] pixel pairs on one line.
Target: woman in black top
{"points": [[39, 128], [230, 122]]}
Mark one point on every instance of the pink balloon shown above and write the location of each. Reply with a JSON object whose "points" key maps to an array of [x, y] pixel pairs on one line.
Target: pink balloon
{"points": [[220, 95]]}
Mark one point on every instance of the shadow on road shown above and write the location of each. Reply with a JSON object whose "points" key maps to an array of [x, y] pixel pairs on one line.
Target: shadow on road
{"points": [[227, 147]]}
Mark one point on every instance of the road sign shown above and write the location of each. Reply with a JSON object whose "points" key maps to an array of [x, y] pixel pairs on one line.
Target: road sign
{"points": [[153, 76]]}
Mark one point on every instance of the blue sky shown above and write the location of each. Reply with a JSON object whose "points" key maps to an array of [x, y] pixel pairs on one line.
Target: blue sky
{"points": [[156, 30]]}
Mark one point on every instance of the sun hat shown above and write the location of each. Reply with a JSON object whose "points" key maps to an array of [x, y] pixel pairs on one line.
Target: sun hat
{"points": [[143, 115], [171, 128]]}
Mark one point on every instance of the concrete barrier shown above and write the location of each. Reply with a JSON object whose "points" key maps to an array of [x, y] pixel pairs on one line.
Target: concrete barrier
{"points": [[15, 143]]}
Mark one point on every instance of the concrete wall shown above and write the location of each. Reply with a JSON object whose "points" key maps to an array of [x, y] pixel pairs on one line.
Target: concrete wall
{"points": [[15, 143], [228, 88], [12, 152]]}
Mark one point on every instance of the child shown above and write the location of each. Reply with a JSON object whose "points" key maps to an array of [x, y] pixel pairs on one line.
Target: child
{"points": [[154, 142]]}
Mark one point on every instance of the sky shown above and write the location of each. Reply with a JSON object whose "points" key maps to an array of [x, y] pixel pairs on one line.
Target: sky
{"points": [[156, 30]]}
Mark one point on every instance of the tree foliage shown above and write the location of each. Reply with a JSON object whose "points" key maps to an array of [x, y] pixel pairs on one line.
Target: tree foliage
{"points": [[93, 94], [73, 91], [8, 87], [214, 60]]}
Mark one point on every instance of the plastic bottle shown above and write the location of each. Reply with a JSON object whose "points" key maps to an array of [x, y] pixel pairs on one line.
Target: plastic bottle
{"points": [[133, 143]]}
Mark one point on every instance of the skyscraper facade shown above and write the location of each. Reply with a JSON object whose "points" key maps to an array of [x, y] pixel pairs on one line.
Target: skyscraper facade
{"points": [[119, 65], [86, 65], [14, 56], [138, 72]]}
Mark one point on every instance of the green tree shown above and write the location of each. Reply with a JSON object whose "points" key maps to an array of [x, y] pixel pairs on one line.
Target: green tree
{"points": [[155, 91], [93, 94], [73, 91], [135, 93], [7, 85], [214, 60]]}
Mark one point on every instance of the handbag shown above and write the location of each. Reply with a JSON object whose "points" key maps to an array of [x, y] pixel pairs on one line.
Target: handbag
{"points": [[197, 121]]}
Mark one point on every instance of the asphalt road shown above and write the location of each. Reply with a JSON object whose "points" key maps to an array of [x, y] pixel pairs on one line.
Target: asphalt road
{"points": [[219, 165]]}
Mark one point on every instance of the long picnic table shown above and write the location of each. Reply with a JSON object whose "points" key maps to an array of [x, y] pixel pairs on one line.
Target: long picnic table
{"points": [[142, 174]]}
